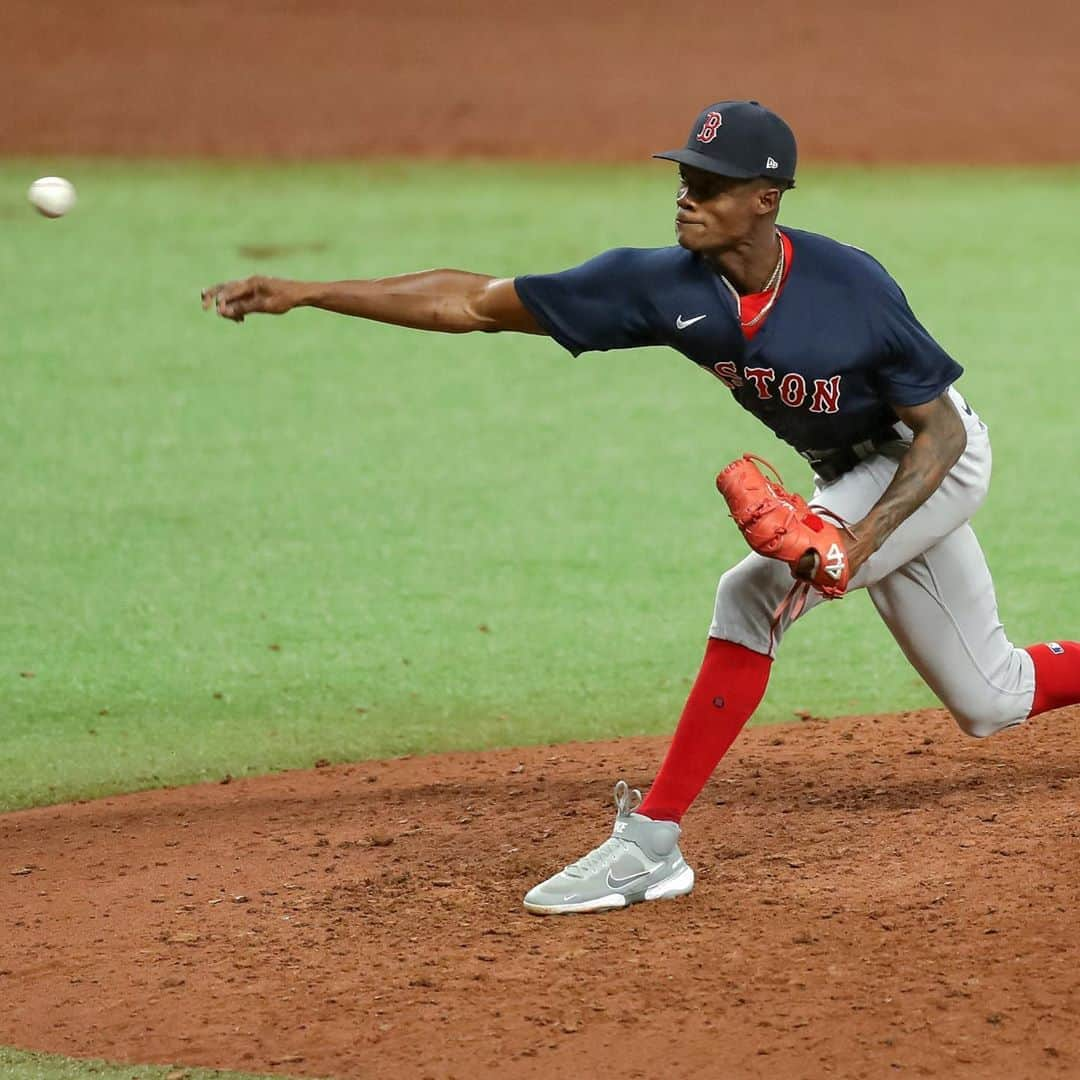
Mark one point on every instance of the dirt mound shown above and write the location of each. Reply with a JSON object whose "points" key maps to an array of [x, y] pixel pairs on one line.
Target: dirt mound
{"points": [[874, 894], [922, 81]]}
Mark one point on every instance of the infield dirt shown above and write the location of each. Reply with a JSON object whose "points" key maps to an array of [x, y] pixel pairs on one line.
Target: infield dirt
{"points": [[921, 81], [875, 895]]}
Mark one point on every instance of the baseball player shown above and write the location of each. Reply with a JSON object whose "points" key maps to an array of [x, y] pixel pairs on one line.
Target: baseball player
{"points": [[816, 340]]}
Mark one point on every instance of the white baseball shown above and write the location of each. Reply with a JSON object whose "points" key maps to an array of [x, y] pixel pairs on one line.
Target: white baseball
{"points": [[52, 196]]}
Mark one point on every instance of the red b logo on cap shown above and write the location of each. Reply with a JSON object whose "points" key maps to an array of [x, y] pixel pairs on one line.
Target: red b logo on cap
{"points": [[708, 130]]}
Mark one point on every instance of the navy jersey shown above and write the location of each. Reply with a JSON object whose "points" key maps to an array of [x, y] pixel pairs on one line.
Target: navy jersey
{"points": [[839, 348]]}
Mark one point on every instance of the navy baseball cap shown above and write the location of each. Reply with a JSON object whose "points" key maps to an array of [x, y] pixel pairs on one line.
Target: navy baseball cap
{"points": [[742, 139]]}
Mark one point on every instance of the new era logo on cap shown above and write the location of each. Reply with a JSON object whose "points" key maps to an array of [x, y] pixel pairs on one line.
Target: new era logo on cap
{"points": [[772, 163]]}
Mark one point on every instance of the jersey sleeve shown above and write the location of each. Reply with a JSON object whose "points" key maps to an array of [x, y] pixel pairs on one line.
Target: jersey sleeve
{"points": [[915, 368], [598, 305]]}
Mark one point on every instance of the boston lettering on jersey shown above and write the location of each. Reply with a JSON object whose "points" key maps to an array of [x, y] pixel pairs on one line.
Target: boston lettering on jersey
{"points": [[839, 348]]}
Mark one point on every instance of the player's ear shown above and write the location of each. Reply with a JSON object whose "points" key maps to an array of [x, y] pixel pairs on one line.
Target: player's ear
{"points": [[768, 199]]}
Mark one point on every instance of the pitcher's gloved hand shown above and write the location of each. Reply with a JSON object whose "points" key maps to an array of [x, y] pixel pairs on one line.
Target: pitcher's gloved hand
{"points": [[812, 541]]}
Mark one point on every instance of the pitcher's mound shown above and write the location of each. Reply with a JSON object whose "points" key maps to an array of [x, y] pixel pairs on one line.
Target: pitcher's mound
{"points": [[874, 894]]}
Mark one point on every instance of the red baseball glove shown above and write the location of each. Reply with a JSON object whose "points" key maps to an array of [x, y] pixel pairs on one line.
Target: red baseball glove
{"points": [[782, 526]]}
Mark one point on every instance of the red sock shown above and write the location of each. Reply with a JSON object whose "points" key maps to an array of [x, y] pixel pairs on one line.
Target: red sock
{"points": [[1057, 675], [728, 688]]}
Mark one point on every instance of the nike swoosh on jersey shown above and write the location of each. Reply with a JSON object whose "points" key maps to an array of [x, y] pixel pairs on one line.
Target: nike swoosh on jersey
{"points": [[618, 883], [682, 324]]}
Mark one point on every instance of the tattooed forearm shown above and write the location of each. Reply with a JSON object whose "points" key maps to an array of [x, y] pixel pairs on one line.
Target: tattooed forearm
{"points": [[939, 441]]}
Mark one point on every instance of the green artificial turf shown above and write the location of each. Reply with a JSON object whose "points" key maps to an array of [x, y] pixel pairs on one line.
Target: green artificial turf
{"points": [[244, 548], [19, 1065]]}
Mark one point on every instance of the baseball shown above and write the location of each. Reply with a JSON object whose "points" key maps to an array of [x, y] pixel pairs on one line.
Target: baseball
{"points": [[52, 196]]}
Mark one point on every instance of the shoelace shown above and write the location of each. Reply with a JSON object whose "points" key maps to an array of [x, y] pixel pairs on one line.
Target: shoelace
{"points": [[597, 859], [627, 800]]}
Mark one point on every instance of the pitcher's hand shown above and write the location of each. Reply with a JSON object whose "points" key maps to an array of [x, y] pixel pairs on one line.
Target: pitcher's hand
{"points": [[252, 296]]}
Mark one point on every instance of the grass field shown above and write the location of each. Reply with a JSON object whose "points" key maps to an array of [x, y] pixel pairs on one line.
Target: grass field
{"points": [[237, 549], [16, 1065]]}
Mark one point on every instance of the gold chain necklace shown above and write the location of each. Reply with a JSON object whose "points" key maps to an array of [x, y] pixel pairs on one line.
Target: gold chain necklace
{"points": [[772, 284]]}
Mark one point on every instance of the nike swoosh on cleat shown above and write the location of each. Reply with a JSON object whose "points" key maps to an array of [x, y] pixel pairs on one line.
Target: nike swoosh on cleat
{"points": [[618, 883], [682, 324]]}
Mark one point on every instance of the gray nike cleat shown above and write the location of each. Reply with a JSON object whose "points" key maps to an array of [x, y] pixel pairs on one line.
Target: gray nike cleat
{"points": [[640, 861]]}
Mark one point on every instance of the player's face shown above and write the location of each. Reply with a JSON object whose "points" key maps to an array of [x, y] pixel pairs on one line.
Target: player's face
{"points": [[715, 213]]}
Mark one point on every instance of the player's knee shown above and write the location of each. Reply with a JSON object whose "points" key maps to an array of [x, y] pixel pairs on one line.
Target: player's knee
{"points": [[745, 605], [750, 588], [981, 719]]}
